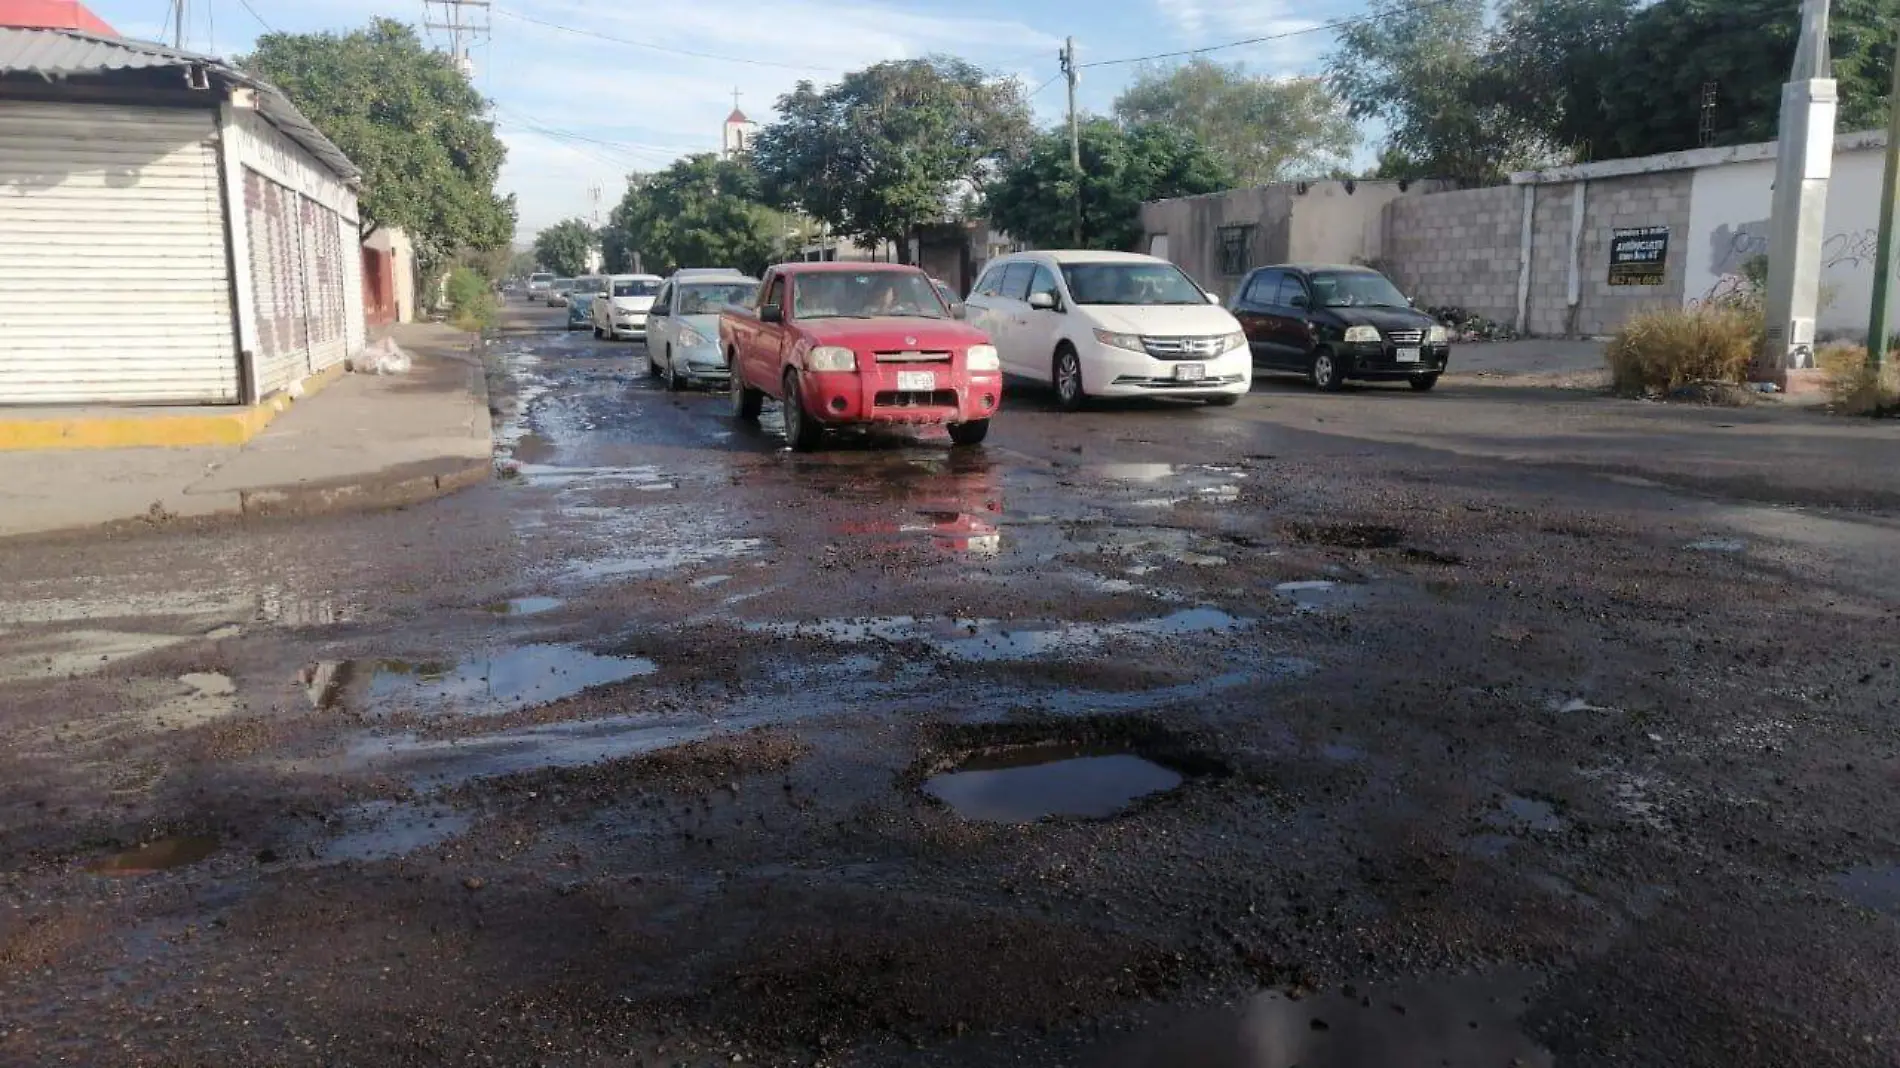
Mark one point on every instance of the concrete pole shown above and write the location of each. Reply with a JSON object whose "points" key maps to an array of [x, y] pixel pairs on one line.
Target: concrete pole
{"points": [[1804, 161], [1879, 326], [1075, 134]]}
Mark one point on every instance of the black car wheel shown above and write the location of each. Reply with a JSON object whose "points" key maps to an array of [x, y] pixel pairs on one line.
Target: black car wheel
{"points": [[801, 430], [1223, 400], [746, 401], [1328, 373], [1424, 383], [970, 433]]}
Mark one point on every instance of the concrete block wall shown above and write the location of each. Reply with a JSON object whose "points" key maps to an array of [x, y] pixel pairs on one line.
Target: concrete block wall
{"points": [[1660, 199], [1458, 249]]}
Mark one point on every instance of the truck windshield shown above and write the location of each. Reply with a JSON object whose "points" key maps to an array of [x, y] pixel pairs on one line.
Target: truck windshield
{"points": [[709, 299], [866, 295], [1130, 283], [1355, 289]]}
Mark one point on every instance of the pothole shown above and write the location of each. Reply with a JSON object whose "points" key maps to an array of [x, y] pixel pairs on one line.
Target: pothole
{"points": [[1348, 535], [523, 606], [991, 639], [509, 681], [1872, 886], [152, 857], [385, 830], [1029, 783], [1525, 814]]}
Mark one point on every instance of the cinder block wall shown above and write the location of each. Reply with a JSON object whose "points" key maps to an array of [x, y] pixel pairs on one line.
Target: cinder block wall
{"points": [[1457, 249]]}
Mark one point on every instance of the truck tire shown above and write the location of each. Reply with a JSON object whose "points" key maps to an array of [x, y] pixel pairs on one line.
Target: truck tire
{"points": [[970, 433], [746, 401], [802, 431]]}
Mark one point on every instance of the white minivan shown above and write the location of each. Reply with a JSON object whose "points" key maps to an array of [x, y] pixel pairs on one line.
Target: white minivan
{"points": [[621, 310], [1110, 324]]}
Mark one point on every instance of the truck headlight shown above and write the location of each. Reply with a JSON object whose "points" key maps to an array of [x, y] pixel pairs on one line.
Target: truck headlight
{"points": [[981, 358], [1437, 336], [1131, 342], [1234, 341], [831, 358], [1362, 335]]}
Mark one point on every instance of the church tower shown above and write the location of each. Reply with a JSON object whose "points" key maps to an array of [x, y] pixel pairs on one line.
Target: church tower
{"points": [[739, 131]]}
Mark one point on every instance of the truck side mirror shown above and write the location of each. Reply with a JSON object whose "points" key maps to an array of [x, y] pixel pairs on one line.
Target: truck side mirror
{"points": [[771, 313]]}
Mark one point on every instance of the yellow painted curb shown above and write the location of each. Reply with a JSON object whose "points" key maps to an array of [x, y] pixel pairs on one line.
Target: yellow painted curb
{"points": [[153, 428]]}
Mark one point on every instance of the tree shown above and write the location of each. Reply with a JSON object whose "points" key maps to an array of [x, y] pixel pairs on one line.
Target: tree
{"points": [[410, 119], [1121, 167], [1550, 64], [1652, 94], [702, 211], [1423, 70], [563, 247], [890, 146], [1262, 129]]}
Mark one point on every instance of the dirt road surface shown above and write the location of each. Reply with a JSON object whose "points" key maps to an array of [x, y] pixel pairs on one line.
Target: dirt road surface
{"points": [[1494, 726]]}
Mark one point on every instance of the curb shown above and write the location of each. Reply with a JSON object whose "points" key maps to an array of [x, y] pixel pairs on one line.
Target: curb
{"points": [[156, 428], [386, 489]]}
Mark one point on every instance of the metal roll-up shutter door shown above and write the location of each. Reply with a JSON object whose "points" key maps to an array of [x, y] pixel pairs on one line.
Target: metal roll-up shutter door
{"points": [[323, 280], [114, 282], [354, 326], [283, 329]]}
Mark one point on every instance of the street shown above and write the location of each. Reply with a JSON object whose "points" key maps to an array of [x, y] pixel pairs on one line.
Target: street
{"points": [[1496, 726]]}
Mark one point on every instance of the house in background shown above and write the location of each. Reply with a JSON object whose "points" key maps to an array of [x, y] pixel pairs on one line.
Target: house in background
{"points": [[389, 277], [172, 230]]}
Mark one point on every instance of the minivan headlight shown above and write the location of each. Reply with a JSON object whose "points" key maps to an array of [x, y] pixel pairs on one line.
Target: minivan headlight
{"points": [[692, 338], [1131, 342], [831, 358], [1437, 336], [1234, 341], [1362, 335], [981, 358]]}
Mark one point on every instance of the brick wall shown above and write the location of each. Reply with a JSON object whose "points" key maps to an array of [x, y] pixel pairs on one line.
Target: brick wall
{"points": [[1638, 200], [1457, 249]]}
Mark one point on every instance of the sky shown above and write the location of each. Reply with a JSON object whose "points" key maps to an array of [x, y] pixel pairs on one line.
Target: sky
{"points": [[581, 110]]}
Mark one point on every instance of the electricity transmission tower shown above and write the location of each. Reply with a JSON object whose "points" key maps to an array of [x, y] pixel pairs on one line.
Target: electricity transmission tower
{"points": [[467, 22]]}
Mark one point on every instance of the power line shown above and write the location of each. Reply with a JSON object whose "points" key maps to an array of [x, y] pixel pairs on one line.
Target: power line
{"points": [[504, 12], [260, 19], [1334, 25], [1053, 78]]}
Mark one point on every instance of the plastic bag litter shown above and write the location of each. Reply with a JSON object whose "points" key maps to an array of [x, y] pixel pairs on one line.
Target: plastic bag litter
{"points": [[383, 357]]}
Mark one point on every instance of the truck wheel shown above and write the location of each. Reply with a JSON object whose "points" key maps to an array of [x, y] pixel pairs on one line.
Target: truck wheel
{"points": [[1424, 383], [970, 433], [1328, 373], [746, 401], [801, 430], [1068, 379]]}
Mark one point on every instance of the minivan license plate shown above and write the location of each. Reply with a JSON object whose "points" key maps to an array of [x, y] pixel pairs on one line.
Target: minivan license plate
{"points": [[1408, 355], [916, 381], [1189, 372]]}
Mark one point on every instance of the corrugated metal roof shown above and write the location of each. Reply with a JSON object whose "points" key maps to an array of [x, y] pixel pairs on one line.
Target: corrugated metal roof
{"points": [[55, 53]]}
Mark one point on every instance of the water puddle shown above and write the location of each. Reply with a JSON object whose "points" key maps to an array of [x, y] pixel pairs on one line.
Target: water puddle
{"points": [[1342, 753], [323, 681], [1717, 545], [649, 561], [980, 640], [203, 697], [519, 678], [1525, 814], [1022, 785], [162, 855], [1873, 886], [523, 606], [1460, 1021], [385, 830], [71, 653], [639, 478], [433, 762], [1179, 483]]}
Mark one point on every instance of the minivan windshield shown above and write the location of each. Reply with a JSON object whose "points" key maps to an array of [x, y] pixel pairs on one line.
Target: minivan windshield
{"points": [[563, 285], [540, 276], [1355, 289], [1130, 283], [590, 285], [865, 295], [709, 299], [636, 287]]}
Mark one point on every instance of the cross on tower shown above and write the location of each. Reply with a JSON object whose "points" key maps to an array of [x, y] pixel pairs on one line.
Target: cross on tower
{"points": [[735, 98]]}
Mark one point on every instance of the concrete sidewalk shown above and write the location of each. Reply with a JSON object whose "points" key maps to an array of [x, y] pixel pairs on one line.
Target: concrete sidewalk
{"points": [[366, 441]]}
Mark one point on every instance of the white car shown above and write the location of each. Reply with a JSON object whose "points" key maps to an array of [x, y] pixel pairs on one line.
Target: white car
{"points": [[621, 311], [683, 326], [1110, 324]]}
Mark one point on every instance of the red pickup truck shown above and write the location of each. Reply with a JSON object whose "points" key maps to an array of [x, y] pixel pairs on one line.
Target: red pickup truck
{"points": [[856, 344]]}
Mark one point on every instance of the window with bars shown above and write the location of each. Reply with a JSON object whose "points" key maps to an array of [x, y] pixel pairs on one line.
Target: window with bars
{"points": [[1236, 250]]}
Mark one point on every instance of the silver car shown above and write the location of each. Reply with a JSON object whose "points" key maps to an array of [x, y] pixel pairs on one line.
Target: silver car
{"points": [[683, 326]]}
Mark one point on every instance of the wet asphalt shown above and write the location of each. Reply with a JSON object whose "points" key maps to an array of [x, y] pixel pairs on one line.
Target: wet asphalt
{"points": [[1150, 735]]}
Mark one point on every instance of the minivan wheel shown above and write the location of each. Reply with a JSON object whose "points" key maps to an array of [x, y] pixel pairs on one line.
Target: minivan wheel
{"points": [[1328, 373], [1068, 379], [653, 365], [672, 375], [1424, 383], [1223, 400], [801, 430]]}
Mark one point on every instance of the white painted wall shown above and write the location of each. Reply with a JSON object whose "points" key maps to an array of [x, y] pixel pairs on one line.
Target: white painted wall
{"points": [[1728, 223]]}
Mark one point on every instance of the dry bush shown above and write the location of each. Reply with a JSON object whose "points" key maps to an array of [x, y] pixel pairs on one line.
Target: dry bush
{"points": [[1852, 383], [1662, 350]]}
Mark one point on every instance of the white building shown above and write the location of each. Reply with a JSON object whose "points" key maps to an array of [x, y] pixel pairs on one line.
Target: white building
{"points": [[172, 230], [737, 135]]}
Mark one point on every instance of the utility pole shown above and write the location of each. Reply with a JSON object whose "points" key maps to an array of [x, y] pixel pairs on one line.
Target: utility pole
{"points": [[1075, 133], [1879, 328], [467, 22], [1804, 163], [178, 24]]}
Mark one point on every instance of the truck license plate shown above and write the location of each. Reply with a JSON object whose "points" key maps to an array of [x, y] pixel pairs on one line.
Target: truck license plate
{"points": [[1408, 355], [1189, 372], [916, 381]]}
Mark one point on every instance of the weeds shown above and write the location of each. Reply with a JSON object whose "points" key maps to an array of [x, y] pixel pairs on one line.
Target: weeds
{"points": [[1855, 388], [1669, 348], [472, 304]]}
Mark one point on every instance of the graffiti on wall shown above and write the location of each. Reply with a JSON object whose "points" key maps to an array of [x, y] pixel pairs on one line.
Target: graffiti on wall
{"points": [[1731, 247]]}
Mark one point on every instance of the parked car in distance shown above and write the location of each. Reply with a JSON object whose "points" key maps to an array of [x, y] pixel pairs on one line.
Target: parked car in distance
{"points": [[580, 300], [621, 310], [683, 326], [558, 291], [854, 344], [1333, 323], [538, 284], [1110, 324]]}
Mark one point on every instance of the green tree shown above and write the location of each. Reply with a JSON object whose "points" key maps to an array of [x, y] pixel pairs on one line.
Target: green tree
{"points": [[563, 247], [890, 146], [1550, 63], [1652, 94], [1424, 71], [1121, 167], [411, 121], [702, 211], [1263, 129]]}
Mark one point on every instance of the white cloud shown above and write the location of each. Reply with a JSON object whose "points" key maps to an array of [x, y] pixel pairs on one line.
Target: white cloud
{"points": [[1198, 23]]}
